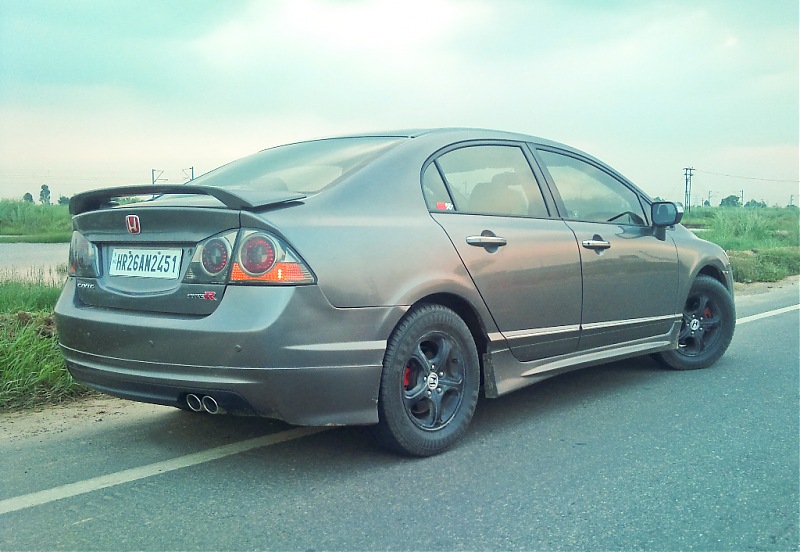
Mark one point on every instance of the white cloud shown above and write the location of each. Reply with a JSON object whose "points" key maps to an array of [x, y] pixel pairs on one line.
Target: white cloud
{"points": [[649, 86], [302, 31]]}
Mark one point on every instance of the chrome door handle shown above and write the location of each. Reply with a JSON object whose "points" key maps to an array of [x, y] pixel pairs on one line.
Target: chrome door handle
{"points": [[595, 244], [483, 241]]}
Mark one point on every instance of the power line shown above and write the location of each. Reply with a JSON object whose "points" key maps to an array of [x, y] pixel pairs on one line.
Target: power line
{"points": [[687, 196], [745, 177], [157, 177]]}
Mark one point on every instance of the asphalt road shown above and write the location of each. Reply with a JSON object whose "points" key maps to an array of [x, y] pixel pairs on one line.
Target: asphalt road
{"points": [[622, 456]]}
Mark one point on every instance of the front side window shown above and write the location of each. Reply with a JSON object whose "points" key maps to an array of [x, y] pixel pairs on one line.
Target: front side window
{"points": [[306, 167], [590, 194], [488, 180]]}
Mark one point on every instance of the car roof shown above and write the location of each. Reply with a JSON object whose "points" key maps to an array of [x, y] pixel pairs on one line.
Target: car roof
{"points": [[431, 139], [459, 134]]}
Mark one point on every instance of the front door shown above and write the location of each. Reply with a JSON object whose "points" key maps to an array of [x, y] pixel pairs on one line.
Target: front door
{"points": [[629, 275]]}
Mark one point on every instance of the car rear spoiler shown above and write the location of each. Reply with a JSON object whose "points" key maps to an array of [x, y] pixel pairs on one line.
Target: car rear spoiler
{"points": [[240, 199]]}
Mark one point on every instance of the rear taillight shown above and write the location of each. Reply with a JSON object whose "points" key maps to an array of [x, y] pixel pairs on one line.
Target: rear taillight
{"points": [[82, 257], [247, 257], [211, 261], [215, 256], [257, 254], [262, 258]]}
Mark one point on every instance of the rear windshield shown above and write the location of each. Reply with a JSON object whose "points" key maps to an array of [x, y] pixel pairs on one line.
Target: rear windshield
{"points": [[306, 167]]}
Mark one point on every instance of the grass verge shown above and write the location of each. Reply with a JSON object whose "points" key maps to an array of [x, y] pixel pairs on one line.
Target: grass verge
{"points": [[56, 237], [32, 370]]}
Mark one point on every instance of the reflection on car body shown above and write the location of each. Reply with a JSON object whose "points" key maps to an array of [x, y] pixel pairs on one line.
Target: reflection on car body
{"points": [[384, 280]]}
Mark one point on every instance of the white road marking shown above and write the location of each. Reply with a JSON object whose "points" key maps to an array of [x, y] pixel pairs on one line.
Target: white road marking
{"points": [[96, 483], [767, 314], [133, 474]]}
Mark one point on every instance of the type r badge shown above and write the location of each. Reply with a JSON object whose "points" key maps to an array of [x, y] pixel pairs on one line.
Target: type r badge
{"points": [[208, 295]]}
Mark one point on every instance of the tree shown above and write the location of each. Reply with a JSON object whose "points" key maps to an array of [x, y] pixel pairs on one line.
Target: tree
{"points": [[27, 198], [706, 203], [63, 200], [730, 201], [753, 203], [44, 195]]}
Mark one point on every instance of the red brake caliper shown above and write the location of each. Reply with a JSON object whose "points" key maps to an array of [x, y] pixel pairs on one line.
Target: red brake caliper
{"points": [[407, 377], [707, 313]]}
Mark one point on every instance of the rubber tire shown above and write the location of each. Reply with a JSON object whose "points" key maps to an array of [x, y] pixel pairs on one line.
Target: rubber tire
{"points": [[396, 430], [678, 360]]}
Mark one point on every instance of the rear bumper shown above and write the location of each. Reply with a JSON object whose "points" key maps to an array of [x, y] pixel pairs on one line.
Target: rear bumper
{"points": [[281, 352], [335, 395]]}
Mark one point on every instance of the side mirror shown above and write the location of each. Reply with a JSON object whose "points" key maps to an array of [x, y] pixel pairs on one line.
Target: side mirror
{"points": [[665, 213]]}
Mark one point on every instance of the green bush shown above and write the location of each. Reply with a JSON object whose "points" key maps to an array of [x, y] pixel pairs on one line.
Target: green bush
{"points": [[32, 370], [770, 265], [21, 218]]}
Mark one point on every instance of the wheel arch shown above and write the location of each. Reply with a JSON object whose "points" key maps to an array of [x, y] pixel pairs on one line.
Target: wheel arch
{"points": [[709, 267], [467, 312], [714, 272]]}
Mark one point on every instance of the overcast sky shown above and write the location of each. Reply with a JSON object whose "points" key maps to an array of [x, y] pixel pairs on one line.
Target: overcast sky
{"points": [[96, 93]]}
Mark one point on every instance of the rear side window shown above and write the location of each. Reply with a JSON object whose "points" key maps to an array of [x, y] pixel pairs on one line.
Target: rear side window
{"points": [[306, 167], [590, 194], [436, 195], [487, 180]]}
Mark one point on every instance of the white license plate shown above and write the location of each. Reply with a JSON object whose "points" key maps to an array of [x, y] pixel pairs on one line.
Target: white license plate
{"points": [[146, 263]]}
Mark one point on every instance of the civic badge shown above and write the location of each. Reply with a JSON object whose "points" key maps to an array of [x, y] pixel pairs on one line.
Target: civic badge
{"points": [[132, 222]]}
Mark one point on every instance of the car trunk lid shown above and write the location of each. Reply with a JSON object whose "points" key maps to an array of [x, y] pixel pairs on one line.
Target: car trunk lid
{"points": [[145, 250]]}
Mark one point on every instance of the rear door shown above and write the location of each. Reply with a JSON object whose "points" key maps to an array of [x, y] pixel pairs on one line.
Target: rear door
{"points": [[630, 276], [525, 264]]}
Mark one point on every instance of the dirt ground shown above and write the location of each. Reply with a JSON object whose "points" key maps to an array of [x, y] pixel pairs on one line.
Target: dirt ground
{"points": [[80, 415], [73, 417], [763, 287]]}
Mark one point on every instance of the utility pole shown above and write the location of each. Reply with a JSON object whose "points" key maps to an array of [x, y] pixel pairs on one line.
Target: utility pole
{"points": [[157, 177], [192, 172], [687, 197], [791, 200], [742, 198]]}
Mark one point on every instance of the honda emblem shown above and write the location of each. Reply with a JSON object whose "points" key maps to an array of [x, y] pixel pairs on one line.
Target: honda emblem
{"points": [[132, 222]]}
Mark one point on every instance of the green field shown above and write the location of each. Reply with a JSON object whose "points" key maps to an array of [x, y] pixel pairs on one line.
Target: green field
{"points": [[763, 243], [21, 221]]}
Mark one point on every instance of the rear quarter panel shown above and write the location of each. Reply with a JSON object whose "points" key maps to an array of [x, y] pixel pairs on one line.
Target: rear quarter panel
{"points": [[371, 241]]}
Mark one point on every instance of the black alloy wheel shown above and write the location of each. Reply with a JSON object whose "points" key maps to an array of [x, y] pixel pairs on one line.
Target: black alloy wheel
{"points": [[430, 382], [709, 318], [433, 381]]}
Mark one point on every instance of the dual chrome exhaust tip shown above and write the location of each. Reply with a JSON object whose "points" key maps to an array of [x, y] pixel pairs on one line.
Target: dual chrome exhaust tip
{"points": [[205, 403]]}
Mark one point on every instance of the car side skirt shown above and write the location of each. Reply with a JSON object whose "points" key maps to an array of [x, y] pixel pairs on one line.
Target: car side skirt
{"points": [[503, 373]]}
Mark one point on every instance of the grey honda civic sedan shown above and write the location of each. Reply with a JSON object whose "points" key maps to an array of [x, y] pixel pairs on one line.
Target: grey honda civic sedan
{"points": [[383, 279]]}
